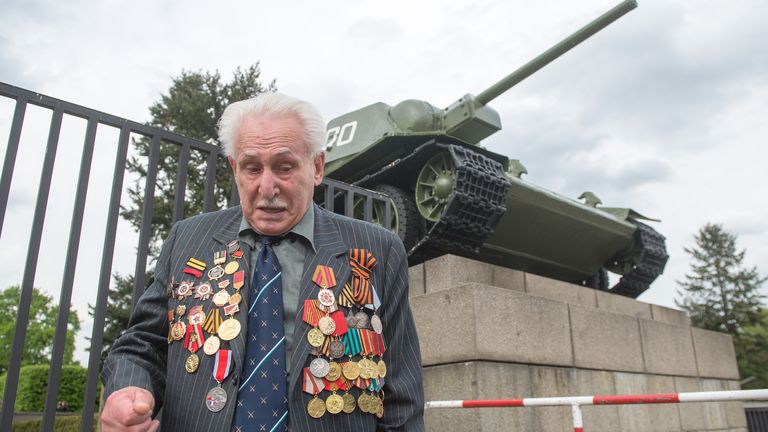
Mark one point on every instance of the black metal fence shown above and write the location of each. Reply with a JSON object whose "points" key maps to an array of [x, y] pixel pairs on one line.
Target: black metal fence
{"points": [[757, 418], [334, 196]]}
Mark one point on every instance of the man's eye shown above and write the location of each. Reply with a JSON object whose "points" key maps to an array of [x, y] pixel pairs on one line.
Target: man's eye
{"points": [[284, 168]]}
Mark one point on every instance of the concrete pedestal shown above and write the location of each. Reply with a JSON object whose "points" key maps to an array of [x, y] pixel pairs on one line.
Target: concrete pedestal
{"points": [[488, 332]]}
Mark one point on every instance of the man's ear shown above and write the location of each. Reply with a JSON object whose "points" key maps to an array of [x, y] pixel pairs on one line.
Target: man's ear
{"points": [[231, 163], [319, 167]]}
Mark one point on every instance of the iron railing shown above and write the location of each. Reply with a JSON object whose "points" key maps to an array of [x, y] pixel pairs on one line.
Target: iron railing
{"points": [[335, 196]]}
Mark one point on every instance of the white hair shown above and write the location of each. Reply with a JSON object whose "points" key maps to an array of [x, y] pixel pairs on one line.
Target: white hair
{"points": [[267, 104]]}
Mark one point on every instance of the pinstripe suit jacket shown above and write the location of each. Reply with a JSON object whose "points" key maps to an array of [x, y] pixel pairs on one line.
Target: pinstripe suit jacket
{"points": [[142, 356]]}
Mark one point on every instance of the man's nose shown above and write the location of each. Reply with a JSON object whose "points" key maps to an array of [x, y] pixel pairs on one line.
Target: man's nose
{"points": [[268, 185]]}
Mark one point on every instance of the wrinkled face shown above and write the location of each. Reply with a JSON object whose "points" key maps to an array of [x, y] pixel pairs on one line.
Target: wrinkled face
{"points": [[275, 172]]}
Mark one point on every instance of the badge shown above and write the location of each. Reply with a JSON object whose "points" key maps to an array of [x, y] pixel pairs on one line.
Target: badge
{"points": [[229, 329], [203, 291], [382, 367], [233, 246], [376, 324], [337, 349], [179, 330], [193, 272], [362, 320], [231, 309], [211, 345], [220, 257], [349, 403], [350, 370], [223, 283], [315, 337], [196, 264], [326, 325], [192, 363], [235, 299], [184, 290], [334, 371], [196, 315], [316, 407], [319, 367], [334, 404], [324, 277], [221, 298], [326, 297], [216, 273], [238, 280], [216, 399], [237, 254], [231, 267]]}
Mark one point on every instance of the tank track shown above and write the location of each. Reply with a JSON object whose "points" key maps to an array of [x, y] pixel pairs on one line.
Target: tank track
{"points": [[649, 262], [478, 201]]}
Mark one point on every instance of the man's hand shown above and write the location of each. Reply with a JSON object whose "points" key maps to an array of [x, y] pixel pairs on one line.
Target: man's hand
{"points": [[129, 409]]}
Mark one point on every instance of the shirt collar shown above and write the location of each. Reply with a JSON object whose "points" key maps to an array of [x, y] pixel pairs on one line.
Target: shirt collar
{"points": [[304, 229]]}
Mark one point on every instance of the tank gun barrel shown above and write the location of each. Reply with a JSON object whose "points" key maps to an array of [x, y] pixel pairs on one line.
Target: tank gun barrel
{"points": [[556, 51]]}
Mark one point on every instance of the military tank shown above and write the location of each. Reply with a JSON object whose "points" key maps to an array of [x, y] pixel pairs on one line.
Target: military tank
{"points": [[451, 195]]}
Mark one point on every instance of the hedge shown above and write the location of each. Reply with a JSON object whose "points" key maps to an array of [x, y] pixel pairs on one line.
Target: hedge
{"points": [[70, 423], [33, 384]]}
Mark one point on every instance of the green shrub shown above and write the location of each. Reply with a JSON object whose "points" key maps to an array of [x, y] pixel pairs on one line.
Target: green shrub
{"points": [[33, 385]]}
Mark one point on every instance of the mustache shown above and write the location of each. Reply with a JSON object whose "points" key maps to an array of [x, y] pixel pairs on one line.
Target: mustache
{"points": [[275, 203]]}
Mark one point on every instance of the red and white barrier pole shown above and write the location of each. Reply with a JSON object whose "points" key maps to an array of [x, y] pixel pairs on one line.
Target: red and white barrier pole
{"points": [[576, 401]]}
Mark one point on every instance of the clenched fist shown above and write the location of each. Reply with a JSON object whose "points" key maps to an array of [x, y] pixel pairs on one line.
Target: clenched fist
{"points": [[129, 410]]}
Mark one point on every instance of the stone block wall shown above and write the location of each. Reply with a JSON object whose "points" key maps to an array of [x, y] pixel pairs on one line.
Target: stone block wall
{"points": [[488, 332]]}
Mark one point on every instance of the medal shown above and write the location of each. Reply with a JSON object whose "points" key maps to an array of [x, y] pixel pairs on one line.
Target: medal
{"points": [[334, 372], [362, 320], [231, 309], [326, 297], [203, 291], [233, 246], [334, 404], [217, 396], [375, 323], [184, 290], [237, 254], [351, 320], [235, 299], [221, 298], [179, 330], [315, 337], [316, 407], [212, 321], [216, 399], [220, 257], [336, 348], [196, 315], [192, 363], [349, 403], [350, 370], [211, 345], [362, 402], [326, 325], [319, 367], [238, 279], [382, 367], [229, 329], [324, 277], [231, 267], [223, 283]]}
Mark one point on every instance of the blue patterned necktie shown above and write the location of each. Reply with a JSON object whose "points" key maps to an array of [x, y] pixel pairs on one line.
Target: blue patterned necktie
{"points": [[262, 403]]}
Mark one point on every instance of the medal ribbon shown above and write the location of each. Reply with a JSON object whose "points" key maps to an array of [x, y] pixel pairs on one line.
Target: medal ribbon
{"points": [[361, 383], [310, 383], [222, 365], [340, 384], [361, 262], [212, 321], [346, 297], [376, 384], [341, 323], [311, 314], [367, 342], [194, 344], [352, 342]]}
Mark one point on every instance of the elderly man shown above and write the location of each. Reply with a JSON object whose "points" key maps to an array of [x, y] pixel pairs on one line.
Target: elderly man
{"points": [[275, 315]]}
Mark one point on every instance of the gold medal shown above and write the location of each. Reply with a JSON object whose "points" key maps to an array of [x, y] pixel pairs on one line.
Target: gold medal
{"points": [[178, 331], [334, 404], [235, 298], [380, 406], [349, 403], [192, 363], [229, 329], [362, 402], [211, 345], [382, 367], [334, 372], [351, 370], [326, 325], [315, 337], [316, 407], [231, 267]]}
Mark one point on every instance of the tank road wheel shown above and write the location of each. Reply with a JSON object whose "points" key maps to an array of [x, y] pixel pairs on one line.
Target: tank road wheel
{"points": [[435, 185], [406, 222]]}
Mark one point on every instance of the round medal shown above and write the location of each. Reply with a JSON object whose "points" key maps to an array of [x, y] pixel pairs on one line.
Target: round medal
{"points": [[337, 348], [229, 329], [334, 371], [362, 320], [315, 337], [196, 318], [379, 408], [231, 267], [382, 367], [216, 399], [221, 298], [204, 289], [180, 309], [351, 320], [192, 363], [215, 273], [316, 407], [235, 298], [319, 367], [376, 324], [185, 289], [178, 331], [211, 345], [326, 325], [351, 370], [326, 297], [349, 403], [334, 404], [362, 402]]}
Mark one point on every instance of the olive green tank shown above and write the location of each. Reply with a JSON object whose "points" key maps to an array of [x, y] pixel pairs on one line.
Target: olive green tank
{"points": [[450, 195]]}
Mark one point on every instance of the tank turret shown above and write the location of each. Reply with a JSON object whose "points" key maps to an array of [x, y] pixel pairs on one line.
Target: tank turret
{"points": [[451, 195]]}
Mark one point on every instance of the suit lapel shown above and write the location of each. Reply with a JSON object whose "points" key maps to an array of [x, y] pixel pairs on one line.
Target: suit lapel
{"points": [[228, 232], [331, 252]]}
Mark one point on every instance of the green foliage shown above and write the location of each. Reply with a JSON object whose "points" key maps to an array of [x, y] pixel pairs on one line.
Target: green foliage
{"points": [[38, 342], [70, 423], [752, 352], [192, 107], [33, 385], [719, 293]]}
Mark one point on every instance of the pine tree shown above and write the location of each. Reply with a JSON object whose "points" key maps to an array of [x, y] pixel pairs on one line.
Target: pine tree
{"points": [[719, 293]]}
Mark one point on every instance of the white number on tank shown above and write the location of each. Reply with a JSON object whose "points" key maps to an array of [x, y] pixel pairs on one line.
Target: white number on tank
{"points": [[341, 135]]}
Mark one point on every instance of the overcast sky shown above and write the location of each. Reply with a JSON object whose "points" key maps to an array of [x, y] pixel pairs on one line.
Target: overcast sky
{"points": [[664, 111]]}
